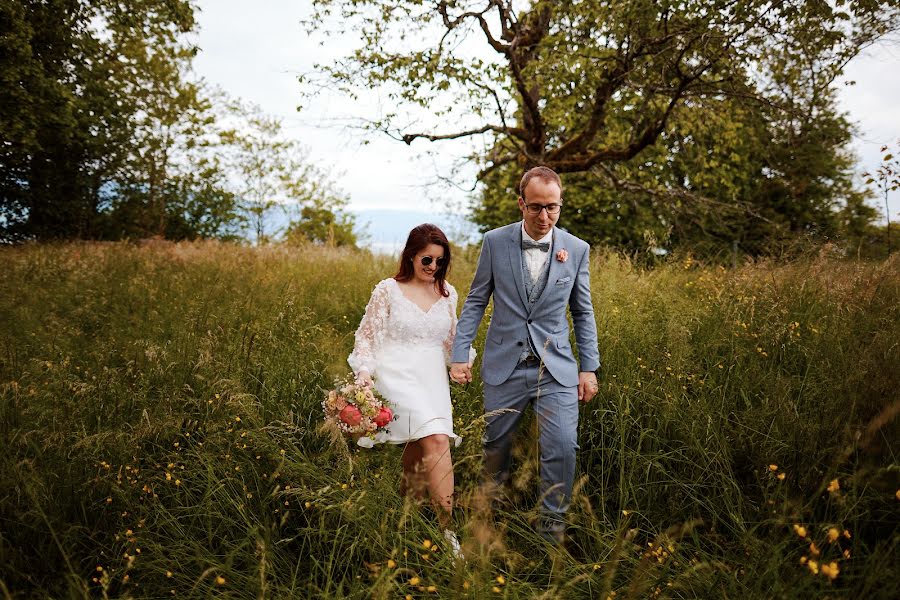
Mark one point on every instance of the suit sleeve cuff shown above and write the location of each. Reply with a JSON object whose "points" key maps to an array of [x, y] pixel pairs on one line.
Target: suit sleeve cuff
{"points": [[589, 367], [461, 355]]}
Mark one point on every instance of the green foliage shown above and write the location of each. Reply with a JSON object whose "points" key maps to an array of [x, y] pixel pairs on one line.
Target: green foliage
{"points": [[108, 136], [83, 82], [273, 173], [320, 224], [159, 412], [887, 180]]}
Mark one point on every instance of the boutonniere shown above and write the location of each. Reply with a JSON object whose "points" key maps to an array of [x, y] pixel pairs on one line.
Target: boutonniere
{"points": [[562, 255]]}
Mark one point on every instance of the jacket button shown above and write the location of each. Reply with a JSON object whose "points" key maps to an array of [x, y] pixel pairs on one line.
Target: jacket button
{"points": [[520, 343]]}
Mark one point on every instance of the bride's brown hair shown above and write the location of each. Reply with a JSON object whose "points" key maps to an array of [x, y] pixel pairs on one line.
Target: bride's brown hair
{"points": [[419, 238]]}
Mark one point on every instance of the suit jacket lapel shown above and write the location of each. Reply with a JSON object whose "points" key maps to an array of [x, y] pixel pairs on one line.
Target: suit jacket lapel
{"points": [[555, 266], [515, 263]]}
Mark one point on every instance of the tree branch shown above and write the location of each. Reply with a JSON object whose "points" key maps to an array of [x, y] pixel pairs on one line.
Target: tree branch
{"points": [[452, 24], [602, 94], [496, 163], [607, 174], [409, 137], [521, 52]]}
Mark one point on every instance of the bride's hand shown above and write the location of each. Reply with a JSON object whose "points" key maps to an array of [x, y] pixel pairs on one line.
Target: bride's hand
{"points": [[364, 378]]}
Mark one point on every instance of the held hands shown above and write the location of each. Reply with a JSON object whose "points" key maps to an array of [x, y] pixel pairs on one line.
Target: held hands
{"points": [[461, 372], [587, 386]]}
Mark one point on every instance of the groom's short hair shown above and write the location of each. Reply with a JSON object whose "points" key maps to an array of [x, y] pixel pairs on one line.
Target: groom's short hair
{"points": [[547, 174]]}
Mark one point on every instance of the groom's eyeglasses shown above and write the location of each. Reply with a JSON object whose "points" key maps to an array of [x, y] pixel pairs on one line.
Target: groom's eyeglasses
{"points": [[427, 260], [535, 209]]}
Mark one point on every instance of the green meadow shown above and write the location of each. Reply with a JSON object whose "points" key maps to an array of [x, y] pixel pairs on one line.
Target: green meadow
{"points": [[160, 434]]}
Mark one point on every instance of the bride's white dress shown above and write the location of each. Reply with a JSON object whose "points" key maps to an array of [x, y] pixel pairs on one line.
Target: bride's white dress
{"points": [[406, 350]]}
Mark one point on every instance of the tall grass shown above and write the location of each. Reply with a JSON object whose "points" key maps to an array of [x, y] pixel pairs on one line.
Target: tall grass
{"points": [[159, 418]]}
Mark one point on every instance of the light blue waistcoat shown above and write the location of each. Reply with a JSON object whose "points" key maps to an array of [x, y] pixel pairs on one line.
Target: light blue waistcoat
{"points": [[533, 289]]}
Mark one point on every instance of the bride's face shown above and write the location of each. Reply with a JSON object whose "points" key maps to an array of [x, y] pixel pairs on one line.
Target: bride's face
{"points": [[424, 273]]}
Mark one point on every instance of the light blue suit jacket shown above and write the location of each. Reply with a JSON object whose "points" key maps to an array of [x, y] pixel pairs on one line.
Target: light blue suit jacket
{"points": [[499, 273]]}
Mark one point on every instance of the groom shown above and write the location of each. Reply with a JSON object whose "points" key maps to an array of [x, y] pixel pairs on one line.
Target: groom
{"points": [[534, 271]]}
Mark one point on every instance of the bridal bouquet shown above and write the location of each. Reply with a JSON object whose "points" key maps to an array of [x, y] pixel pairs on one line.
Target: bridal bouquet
{"points": [[358, 411]]}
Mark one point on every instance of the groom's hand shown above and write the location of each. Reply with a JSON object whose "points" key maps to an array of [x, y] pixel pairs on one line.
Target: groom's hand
{"points": [[587, 386], [461, 372]]}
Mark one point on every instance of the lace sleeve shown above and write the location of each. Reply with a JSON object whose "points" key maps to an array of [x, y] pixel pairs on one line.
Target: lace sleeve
{"points": [[370, 334], [453, 300]]}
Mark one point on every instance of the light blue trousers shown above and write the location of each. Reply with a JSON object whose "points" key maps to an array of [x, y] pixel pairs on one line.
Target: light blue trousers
{"points": [[556, 410]]}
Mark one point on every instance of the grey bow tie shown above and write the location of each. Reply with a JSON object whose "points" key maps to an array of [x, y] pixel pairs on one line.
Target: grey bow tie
{"points": [[542, 246]]}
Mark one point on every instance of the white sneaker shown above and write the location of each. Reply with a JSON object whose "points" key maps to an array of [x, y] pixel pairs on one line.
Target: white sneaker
{"points": [[455, 548]]}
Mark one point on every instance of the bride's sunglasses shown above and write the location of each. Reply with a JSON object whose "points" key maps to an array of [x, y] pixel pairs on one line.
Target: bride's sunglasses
{"points": [[427, 260]]}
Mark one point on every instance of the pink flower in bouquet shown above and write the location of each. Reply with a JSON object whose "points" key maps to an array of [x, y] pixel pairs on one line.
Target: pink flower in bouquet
{"points": [[562, 255], [340, 404], [350, 415], [383, 417]]}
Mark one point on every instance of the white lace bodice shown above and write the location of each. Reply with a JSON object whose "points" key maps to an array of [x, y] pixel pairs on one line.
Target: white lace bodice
{"points": [[392, 318]]}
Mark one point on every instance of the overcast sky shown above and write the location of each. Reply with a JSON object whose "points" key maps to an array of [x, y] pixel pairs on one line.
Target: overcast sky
{"points": [[255, 51]]}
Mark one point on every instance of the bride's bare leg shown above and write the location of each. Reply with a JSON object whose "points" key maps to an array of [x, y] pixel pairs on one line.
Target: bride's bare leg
{"points": [[439, 474], [412, 481]]}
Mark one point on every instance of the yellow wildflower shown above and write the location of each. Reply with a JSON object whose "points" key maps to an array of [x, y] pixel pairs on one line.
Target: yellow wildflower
{"points": [[501, 579], [800, 530], [431, 588], [426, 544], [833, 534], [169, 574], [834, 486], [220, 580], [495, 589], [781, 476], [813, 567], [831, 570], [466, 585], [414, 581], [773, 468], [813, 549], [391, 564]]}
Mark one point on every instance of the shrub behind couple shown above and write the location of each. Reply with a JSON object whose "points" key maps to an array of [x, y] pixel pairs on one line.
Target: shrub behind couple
{"points": [[410, 333]]}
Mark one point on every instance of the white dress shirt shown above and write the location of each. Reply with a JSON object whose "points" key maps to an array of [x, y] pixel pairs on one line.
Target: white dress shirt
{"points": [[534, 258]]}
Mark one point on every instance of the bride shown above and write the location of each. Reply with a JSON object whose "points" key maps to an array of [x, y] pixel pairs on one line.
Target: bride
{"points": [[403, 348]]}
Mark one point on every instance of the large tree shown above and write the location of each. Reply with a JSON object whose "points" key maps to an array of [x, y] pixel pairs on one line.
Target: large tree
{"points": [[77, 76], [607, 91]]}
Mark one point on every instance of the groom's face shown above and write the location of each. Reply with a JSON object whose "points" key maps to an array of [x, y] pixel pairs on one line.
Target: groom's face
{"points": [[539, 193]]}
